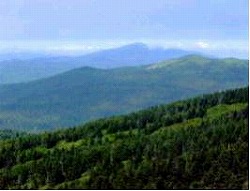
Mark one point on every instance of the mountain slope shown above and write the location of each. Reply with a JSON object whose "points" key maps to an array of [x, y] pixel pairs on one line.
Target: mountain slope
{"points": [[200, 143], [15, 71], [87, 93]]}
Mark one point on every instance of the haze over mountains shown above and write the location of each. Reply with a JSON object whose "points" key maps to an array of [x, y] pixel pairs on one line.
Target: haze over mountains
{"points": [[22, 69], [21, 55], [88, 93]]}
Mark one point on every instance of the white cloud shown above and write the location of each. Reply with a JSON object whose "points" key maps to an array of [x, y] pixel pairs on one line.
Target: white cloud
{"points": [[202, 44], [76, 47]]}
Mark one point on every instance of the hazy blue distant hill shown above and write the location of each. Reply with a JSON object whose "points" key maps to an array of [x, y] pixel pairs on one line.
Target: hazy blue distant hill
{"points": [[131, 55], [21, 55], [23, 70], [86, 93]]}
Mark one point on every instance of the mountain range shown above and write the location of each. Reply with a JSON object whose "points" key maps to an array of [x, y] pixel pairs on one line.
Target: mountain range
{"points": [[23, 69], [88, 93]]}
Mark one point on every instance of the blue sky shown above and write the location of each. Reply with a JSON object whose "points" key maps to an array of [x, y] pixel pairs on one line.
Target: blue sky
{"points": [[90, 25]]}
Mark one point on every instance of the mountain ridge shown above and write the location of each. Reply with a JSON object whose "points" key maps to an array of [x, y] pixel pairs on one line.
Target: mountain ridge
{"points": [[87, 93], [15, 71], [196, 59]]}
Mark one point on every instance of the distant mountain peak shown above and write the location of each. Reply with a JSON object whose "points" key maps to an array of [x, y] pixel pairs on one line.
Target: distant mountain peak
{"points": [[135, 54], [134, 46]]}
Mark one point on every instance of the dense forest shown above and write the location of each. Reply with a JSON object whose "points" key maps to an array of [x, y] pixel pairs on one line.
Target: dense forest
{"points": [[199, 143]]}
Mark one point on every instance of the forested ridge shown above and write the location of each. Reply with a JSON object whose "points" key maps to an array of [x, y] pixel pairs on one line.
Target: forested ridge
{"points": [[199, 143], [85, 94]]}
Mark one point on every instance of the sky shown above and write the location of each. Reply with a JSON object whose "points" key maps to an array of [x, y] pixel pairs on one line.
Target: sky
{"points": [[78, 26]]}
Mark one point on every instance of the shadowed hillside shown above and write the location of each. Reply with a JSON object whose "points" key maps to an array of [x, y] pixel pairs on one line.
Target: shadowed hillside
{"points": [[84, 94]]}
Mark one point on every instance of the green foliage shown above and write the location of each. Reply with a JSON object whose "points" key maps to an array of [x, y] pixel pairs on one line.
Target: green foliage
{"points": [[7, 134], [216, 111], [200, 143]]}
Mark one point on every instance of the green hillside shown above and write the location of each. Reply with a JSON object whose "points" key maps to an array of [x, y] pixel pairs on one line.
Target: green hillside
{"points": [[85, 94], [200, 143]]}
